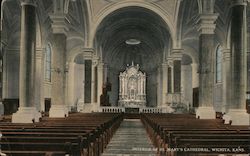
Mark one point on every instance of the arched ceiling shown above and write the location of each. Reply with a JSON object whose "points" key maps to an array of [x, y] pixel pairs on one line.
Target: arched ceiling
{"points": [[133, 23], [129, 22]]}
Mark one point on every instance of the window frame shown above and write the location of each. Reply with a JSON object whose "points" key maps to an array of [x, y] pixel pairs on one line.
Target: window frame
{"points": [[218, 64], [47, 63]]}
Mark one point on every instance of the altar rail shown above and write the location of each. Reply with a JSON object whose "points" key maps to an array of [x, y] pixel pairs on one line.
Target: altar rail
{"points": [[112, 109], [152, 110], [141, 110]]}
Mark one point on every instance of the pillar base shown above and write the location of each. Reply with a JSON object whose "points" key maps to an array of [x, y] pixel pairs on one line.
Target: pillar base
{"points": [[26, 115], [1, 108], [58, 111], [205, 113], [237, 117]]}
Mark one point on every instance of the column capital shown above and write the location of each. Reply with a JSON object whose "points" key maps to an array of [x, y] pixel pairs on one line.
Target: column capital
{"points": [[164, 65], [206, 23], [39, 52], [29, 2], [170, 61], [239, 2], [194, 64], [100, 64], [226, 53], [94, 62], [59, 24], [176, 54]]}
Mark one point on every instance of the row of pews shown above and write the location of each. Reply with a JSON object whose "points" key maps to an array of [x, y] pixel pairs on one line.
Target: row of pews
{"points": [[175, 134], [79, 134]]}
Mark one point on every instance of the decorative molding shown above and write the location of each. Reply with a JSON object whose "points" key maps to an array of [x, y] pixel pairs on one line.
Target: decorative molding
{"points": [[29, 2], [40, 53], [176, 54], [239, 2], [170, 61], [206, 23], [226, 55], [59, 24]]}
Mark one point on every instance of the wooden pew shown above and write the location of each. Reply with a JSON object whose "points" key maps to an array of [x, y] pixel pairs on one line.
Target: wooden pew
{"points": [[180, 131], [78, 134]]}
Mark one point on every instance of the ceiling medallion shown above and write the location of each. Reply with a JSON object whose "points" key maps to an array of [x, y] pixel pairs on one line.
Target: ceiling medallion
{"points": [[132, 41]]}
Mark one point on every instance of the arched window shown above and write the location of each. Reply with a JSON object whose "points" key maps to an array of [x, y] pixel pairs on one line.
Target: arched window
{"points": [[48, 63], [218, 64]]}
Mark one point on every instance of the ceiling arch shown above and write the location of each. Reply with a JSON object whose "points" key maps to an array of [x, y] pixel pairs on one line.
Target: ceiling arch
{"points": [[132, 23], [168, 22]]}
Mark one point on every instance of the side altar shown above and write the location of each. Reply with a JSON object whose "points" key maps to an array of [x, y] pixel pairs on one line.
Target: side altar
{"points": [[132, 87]]}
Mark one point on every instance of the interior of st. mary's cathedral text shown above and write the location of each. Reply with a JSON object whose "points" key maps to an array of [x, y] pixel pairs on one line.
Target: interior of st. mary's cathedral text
{"points": [[125, 77]]}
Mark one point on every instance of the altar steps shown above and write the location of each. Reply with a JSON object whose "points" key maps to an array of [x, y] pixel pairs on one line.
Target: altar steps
{"points": [[130, 139]]}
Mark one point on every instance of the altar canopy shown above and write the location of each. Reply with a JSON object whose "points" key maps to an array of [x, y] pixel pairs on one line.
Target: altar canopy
{"points": [[132, 87]]}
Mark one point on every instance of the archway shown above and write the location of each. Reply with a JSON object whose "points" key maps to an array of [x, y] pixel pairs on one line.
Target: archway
{"points": [[133, 34]]}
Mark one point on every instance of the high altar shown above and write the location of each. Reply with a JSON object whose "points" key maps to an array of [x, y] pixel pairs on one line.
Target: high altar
{"points": [[132, 88]]}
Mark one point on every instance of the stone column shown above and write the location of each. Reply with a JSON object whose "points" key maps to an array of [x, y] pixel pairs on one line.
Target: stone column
{"points": [[39, 82], [169, 79], [93, 83], [3, 44], [206, 71], [226, 80], [177, 56], [78, 86], [27, 110], [159, 87], [195, 75], [83, 82], [164, 83], [71, 83], [58, 93], [237, 110], [195, 83], [99, 81]]}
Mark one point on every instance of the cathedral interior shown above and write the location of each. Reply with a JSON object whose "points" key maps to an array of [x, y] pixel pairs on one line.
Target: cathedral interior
{"points": [[109, 61]]}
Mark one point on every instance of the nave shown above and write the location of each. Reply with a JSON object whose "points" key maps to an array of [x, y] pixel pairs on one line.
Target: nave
{"points": [[110, 134], [130, 139]]}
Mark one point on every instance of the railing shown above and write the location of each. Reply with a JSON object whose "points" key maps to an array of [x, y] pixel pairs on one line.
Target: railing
{"points": [[141, 110], [152, 110], [112, 109]]}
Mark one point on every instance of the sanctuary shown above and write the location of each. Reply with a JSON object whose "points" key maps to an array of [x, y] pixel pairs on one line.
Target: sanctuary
{"points": [[132, 87]]}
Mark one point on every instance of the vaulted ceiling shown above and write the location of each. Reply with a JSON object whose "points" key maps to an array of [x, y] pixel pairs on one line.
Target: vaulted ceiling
{"points": [[133, 23], [126, 23]]}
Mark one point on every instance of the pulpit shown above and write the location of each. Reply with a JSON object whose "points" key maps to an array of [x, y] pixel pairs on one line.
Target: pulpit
{"points": [[132, 87]]}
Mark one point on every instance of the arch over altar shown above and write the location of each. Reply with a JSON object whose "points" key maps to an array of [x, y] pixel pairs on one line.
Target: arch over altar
{"points": [[132, 87]]}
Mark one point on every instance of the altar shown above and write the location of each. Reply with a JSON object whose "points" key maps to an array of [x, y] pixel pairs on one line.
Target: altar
{"points": [[132, 87]]}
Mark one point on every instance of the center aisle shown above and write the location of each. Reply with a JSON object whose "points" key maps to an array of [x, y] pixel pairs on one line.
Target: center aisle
{"points": [[130, 139]]}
